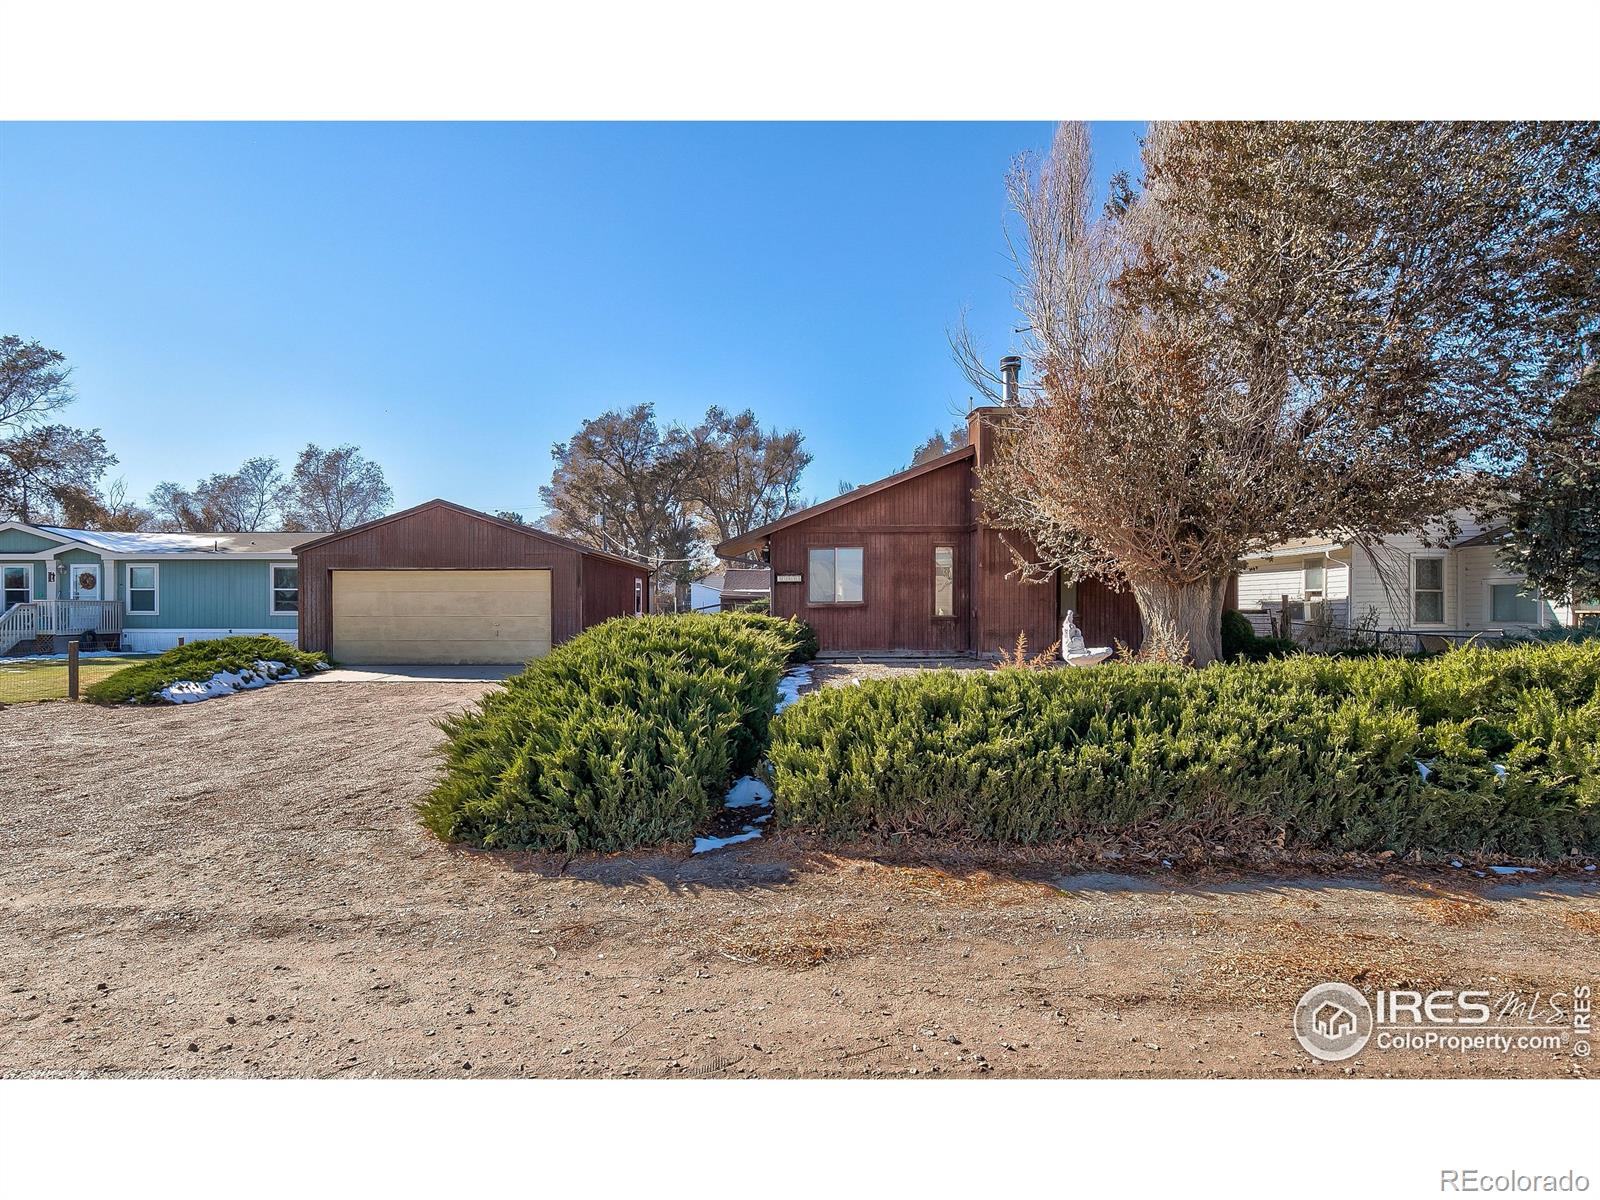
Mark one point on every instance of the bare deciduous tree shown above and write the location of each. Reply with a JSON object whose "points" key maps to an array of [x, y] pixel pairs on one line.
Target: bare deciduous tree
{"points": [[940, 443], [624, 484], [335, 489], [228, 502], [33, 382], [1291, 329], [618, 486], [737, 476], [48, 472]]}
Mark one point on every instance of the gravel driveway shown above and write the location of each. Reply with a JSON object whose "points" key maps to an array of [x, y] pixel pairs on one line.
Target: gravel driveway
{"points": [[239, 888]]}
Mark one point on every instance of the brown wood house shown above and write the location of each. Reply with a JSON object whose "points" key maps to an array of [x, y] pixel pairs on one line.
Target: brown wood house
{"points": [[440, 583], [906, 566]]}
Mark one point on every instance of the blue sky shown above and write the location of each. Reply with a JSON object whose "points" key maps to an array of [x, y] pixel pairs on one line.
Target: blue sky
{"points": [[457, 298]]}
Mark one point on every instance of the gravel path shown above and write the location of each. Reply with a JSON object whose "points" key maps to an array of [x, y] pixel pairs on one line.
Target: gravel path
{"points": [[239, 888]]}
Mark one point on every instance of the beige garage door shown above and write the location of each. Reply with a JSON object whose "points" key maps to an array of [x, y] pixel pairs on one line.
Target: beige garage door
{"points": [[440, 616]]}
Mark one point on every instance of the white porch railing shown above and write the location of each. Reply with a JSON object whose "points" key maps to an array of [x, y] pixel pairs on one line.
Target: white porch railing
{"points": [[58, 618]]}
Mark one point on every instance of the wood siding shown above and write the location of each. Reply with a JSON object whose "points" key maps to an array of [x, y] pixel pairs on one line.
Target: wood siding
{"points": [[1006, 605], [608, 590], [897, 529], [1108, 616], [444, 537]]}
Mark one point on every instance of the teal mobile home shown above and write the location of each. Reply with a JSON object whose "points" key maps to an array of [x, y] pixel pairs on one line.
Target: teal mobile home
{"points": [[143, 591]]}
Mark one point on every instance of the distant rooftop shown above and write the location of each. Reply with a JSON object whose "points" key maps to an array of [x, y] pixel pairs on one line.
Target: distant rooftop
{"points": [[753, 579]]}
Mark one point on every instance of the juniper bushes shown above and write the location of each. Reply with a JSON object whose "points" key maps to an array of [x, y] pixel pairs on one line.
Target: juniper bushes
{"points": [[1301, 753], [198, 661], [627, 735]]}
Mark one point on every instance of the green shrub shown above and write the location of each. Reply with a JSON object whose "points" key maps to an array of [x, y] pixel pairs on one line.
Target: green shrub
{"points": [[198, 661], [799, 636], [1304, 752], [1241, 642], [627, 735]]}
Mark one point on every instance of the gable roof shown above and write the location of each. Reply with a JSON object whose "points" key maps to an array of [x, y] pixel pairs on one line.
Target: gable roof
{"points": [[734, 547], [526, 530]]}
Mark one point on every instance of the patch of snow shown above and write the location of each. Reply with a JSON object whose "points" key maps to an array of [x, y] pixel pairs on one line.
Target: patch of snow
{"points": [[1424, 770], [749, 792], [789, 686], [1499, 770], [1513, 870], [750, 833], [226, 683], [1455, 862], [1590, 867]]}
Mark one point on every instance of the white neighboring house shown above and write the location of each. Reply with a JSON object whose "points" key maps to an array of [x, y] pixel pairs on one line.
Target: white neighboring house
{"points": [[730, 587], [705, 594], [1449, 590]]}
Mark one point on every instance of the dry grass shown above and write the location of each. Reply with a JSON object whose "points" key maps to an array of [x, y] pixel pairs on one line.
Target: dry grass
{"points": [[1455, 911], [800, 943], [1283, 958], [966, 888], [22, 682], [1584, 922]]}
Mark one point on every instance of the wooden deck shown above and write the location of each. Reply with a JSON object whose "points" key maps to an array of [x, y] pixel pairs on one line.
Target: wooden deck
{"points": [[51, 624]]}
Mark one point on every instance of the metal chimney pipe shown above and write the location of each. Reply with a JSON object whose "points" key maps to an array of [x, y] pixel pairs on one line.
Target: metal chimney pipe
{"points": [[1010, 387]]}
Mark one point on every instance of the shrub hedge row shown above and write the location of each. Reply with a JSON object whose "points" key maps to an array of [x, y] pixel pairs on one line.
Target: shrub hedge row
{"points": [[198, 661], [1304, 752], [626, 735]]}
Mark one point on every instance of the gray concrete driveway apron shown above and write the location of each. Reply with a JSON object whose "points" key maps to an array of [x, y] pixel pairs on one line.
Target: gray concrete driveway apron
{"points": [[420, 672]]}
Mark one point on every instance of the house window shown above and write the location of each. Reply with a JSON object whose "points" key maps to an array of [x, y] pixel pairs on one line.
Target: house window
{"points": [[142, 590], [19, 586], [1315, 581], [285, 590], [834, 575], [944, 581], [1427, 591], [638, 596], [1509, 603]]}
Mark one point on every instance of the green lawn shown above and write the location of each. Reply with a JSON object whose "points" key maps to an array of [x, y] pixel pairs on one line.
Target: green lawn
{"points": [[22, 681]]}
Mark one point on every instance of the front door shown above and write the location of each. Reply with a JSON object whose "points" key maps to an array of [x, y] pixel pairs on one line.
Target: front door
{"points": [[83, 581]]}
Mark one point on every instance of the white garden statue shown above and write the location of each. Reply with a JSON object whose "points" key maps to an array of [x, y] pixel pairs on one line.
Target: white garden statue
{"points": [[1073, 651]]}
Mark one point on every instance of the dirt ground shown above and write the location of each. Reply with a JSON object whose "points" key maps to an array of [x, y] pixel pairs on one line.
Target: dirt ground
{"points": [[239, 888]]}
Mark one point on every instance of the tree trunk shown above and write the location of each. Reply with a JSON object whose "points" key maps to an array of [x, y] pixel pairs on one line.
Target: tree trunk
{"points": [[1175, 614]]}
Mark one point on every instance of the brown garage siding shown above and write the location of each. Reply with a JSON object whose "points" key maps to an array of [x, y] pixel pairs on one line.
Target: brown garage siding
{"points": [[608, 590], [443, 536]]}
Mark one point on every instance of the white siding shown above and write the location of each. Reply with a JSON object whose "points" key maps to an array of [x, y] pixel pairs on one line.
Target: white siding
{"points": [[1382, 581], [152, 641], [1264, 582], [1479, 567]]}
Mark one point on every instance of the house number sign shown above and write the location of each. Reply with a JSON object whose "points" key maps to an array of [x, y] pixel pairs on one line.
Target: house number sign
{"points": [[788, 579]]}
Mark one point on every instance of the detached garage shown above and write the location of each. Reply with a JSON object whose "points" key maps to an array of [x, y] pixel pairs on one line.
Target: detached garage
{"points": [[440, 583]]}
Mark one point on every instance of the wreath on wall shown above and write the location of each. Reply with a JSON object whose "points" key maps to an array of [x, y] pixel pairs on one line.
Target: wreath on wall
{"points": [[88, 581]]}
